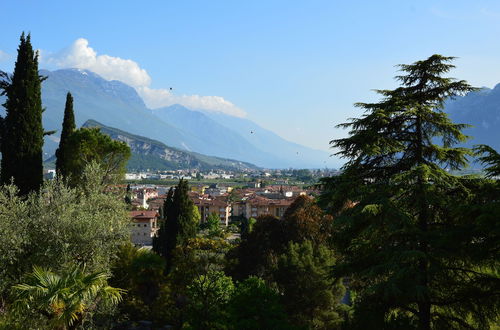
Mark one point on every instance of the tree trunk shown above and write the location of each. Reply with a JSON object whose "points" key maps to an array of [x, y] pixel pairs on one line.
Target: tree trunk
{"points": [[424, 306]]}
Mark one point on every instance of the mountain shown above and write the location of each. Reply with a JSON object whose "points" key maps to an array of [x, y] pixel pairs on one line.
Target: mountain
{"points": [[154, 155], [116, 104], [110, 102], [270, 142], [222, 140], [480, 109], [242, 137]]}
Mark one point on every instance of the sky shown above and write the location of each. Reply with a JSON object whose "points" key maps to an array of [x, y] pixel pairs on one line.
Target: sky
{"points": [[294, 67]]}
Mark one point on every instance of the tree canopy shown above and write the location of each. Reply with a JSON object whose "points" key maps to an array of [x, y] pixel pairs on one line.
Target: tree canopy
{"points": [[63, 155], [86, 145], [395, 228], [21, 130]]}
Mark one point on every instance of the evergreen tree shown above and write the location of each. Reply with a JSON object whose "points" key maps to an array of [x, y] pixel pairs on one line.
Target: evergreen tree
{"points": [[254, 305], [395, 227], [22, 132], [181, 222], [160, 241], [128, 195], [489, 157], [311, 297], [68, 127]]}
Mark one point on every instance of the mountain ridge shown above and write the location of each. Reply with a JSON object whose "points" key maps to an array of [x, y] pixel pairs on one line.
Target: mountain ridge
{"points": [[154, 155], [116, 104]]}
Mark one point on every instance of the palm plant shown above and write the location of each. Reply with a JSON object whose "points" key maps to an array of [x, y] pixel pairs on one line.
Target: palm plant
{"points": [[66, 299]]}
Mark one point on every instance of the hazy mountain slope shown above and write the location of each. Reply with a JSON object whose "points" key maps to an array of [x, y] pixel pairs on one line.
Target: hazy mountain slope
{"points": [[154, 155], [482, 110], [269, 141], [243, 136], [116, 104], [221, 140]]}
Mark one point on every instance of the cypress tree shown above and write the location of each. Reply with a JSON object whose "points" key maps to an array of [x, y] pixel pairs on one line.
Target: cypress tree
{"points": [[68, 127], [160, 241], [180, 224], [409, 256], [22, 133], [187, 222]]}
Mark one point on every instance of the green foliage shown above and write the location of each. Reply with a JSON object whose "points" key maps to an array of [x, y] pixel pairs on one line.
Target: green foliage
{"points": [[406, 249], [258, 251], [60, 227], [196, 216], [197, 257], [209, 295], [488, 156], [87, 145], [63, 156], [246, 225], [22, 131], [265, 238], [140, 272], [213, 221], [64, 299], [182, 219], [128, 195], [254, 305], [304, 220], [310, 296], [160, 245], [211, 227]]}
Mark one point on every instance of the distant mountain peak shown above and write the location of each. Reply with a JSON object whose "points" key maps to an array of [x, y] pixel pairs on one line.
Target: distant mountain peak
{"points": [[88, 78]]}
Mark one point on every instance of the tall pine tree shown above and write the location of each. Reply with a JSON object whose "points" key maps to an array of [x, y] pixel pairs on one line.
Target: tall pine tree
{"points": [[68, 127], [180, 223], [395, 229], [22, 131]]}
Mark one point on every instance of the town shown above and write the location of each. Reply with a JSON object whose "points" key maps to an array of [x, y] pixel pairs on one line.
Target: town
{"points": [[228, 203]]}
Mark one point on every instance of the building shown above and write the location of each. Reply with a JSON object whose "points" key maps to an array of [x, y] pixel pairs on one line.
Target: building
{"points": [[219, 206], [215, 190], [144, 225], [255, 206]]}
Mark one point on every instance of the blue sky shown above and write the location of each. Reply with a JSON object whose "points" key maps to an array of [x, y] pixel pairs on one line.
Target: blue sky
{"points": [[295, 67]]}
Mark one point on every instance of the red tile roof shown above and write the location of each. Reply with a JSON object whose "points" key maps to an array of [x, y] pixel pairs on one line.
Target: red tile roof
{"points": [[143, 214]]}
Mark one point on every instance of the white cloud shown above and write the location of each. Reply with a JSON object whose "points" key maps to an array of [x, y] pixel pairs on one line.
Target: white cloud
{"points": [[80, 55], [157, 98]]}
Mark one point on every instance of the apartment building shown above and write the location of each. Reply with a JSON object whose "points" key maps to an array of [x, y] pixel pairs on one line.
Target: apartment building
{"points": [[218, 205]]}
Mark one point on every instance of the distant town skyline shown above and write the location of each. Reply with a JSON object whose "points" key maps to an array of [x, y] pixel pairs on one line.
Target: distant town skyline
{"points": [[294, 68]]}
